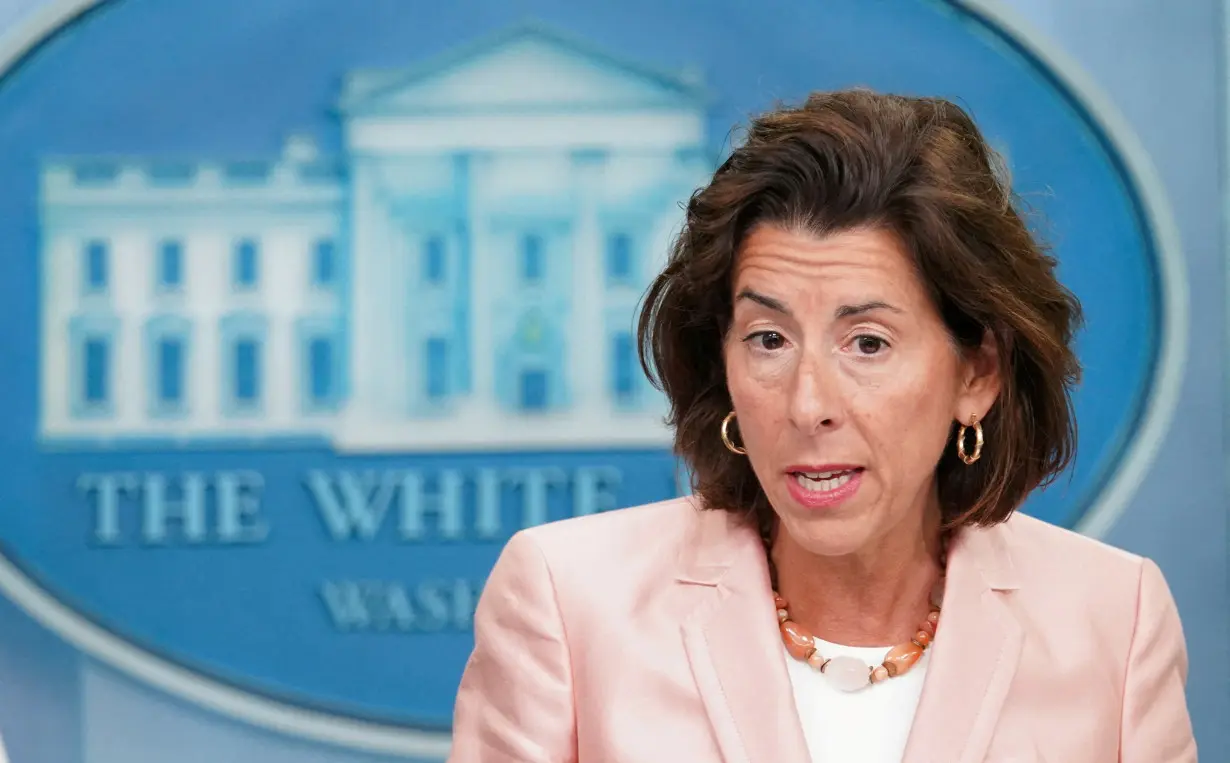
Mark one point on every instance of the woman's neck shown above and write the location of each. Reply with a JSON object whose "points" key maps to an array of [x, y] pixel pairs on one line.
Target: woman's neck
{"points": [[874, 597]]}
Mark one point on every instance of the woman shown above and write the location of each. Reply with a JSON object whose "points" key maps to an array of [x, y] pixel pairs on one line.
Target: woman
{"points": [[868, 360]]}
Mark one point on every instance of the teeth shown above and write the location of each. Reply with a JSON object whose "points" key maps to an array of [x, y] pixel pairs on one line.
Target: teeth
{"points": [[821, 475], [824, 482]]}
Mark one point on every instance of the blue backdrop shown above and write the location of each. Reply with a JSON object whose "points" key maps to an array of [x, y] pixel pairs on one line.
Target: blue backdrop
{"points": [[136, 80]]}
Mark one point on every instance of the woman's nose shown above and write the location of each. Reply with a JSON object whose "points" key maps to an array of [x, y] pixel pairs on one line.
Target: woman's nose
{"points": [[814, 402]]}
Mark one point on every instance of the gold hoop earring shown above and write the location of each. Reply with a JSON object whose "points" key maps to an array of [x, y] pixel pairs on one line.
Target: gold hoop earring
{"points": [[726, 436], [970, 458]]}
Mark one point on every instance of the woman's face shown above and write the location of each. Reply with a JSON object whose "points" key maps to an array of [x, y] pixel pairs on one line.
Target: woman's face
{"points": [[845, 383]]}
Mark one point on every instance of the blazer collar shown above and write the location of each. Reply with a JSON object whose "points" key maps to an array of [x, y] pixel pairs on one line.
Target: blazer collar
{"points": [[733, 645], [731, 637], [975, 654], [988, 552]]}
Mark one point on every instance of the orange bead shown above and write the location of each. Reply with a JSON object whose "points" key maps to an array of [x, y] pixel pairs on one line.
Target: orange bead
{"points": [[902, 658], [783, 613], [934, 617], [798, 641], [922, 638], [879, 674], [816, 660]]}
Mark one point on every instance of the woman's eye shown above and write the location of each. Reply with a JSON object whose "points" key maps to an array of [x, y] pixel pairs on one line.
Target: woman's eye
{"points": [[768, 340], [870, 345]]}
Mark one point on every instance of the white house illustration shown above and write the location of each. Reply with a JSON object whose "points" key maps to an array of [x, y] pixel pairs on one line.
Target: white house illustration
{"points": [[464, 275]]}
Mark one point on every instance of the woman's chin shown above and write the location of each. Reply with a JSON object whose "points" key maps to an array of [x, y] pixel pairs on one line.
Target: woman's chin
{"points": [[829, 534]]}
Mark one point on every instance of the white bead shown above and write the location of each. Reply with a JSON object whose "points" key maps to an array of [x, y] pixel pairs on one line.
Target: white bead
{"points": [[847, 673]]}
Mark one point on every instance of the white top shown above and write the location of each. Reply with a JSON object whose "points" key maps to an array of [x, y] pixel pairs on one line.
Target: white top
{"points": [[870, 725]]}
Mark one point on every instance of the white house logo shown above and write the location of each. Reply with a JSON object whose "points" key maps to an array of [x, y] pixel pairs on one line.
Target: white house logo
{"points": [[447, 283], [272, 414]]}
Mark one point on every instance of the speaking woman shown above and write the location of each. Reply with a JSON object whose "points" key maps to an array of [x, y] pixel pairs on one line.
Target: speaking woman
{"points": [[868, 361]]}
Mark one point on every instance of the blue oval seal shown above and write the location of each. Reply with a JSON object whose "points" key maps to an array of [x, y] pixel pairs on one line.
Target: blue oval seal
{"points": [[308, 305]]}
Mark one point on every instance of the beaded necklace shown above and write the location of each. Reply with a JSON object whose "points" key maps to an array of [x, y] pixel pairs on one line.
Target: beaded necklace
{"points": [[849, 673]]}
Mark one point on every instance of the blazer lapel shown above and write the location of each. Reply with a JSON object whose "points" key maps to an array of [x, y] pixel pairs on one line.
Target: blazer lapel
{"points": [[734, 648], [974, 656]]}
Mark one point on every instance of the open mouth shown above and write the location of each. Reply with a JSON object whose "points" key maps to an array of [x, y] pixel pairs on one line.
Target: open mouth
{"points": [[823, 482]]}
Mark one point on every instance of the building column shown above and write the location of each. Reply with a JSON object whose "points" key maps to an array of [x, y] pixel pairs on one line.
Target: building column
{"points": [[482, 291], [373, 301], [588, 352]]}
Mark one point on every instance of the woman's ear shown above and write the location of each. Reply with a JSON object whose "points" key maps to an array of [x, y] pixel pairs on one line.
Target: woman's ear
{"points": [[980, 378]]}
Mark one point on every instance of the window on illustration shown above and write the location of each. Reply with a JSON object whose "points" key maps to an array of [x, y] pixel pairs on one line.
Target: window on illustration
{"points": [[532, 258], [533, 389], [247, 264], [437, 368], [320, 369], [170, 363], [247, 371], [324, 263], [95, 265], [170, 264], [623, 365], [619, 257], [96, 366], [434, 260]]}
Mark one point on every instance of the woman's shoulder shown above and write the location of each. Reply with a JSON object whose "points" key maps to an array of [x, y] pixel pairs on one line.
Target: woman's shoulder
{"points": [[622, 554], [614, 535], [1035, 544], [1067, 572]]}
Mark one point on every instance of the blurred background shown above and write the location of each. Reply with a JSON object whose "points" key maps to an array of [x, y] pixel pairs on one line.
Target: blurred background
{"points": [[306, 306]]}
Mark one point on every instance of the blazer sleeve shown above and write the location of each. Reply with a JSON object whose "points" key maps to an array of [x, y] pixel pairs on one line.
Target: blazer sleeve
{"points": [[1156, 727], [515, 701]]}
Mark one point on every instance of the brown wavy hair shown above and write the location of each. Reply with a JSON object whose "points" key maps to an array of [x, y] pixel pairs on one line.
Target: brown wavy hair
{"points": [[920, 168]]}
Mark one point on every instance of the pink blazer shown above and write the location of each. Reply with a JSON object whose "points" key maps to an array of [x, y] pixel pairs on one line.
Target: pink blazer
{"points": [[648, 635]]}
